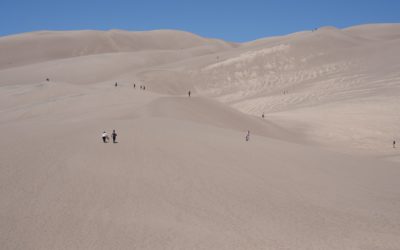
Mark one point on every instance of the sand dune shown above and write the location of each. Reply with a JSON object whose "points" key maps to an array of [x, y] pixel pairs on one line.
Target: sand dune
{"points": [[44, 46], [348, 69], [319, 171]]}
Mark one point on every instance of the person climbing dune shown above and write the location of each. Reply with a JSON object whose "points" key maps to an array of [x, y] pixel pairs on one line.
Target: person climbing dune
{"points": [[114, 136], [104, 136], [248, 135]]}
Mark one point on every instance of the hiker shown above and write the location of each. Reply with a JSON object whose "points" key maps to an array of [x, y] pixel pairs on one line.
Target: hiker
{"points": [[116, 84], [263, 116], [144, 87], [248, 135], [189, 93], [134, 85], [114, 136], [394, 143], [104, 136]]}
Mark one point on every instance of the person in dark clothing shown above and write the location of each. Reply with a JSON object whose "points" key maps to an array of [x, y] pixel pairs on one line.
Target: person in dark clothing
{"points": [[116, 84], [114, 136], [263, 116], [189, 93], [248, 135], [394, 143]]}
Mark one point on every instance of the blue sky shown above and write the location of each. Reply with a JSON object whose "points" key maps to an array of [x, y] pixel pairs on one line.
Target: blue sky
{"points": [[232, 20]]}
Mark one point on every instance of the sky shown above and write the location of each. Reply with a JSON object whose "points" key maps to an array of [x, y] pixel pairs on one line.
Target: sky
{"points": [[230, 20]]}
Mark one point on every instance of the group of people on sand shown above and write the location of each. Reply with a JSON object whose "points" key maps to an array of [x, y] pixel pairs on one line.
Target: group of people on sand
{"points": [[106, 138], [142, 87]]}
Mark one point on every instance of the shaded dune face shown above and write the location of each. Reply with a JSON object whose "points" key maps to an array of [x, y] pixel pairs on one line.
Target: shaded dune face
{"points": [[318, 171]]}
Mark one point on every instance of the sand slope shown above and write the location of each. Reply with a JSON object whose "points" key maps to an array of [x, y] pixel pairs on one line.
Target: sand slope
{"points": [[182, 175], [43, 46], [342, 84]]}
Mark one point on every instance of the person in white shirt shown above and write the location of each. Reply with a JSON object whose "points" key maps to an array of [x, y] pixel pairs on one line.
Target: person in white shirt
{"points": [[104, 136]]}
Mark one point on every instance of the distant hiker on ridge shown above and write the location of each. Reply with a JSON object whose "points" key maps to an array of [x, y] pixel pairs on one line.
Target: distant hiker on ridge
{"points": [[263, 116], [116, 84], [189, 93], [248, 135], [394, 143]]}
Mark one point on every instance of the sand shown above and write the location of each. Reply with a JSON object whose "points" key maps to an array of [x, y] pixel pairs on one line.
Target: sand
{"points": [[319, 171]]}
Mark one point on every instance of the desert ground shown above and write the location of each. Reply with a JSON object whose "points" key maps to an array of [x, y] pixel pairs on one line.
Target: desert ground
{"points": [[319, 170]]}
